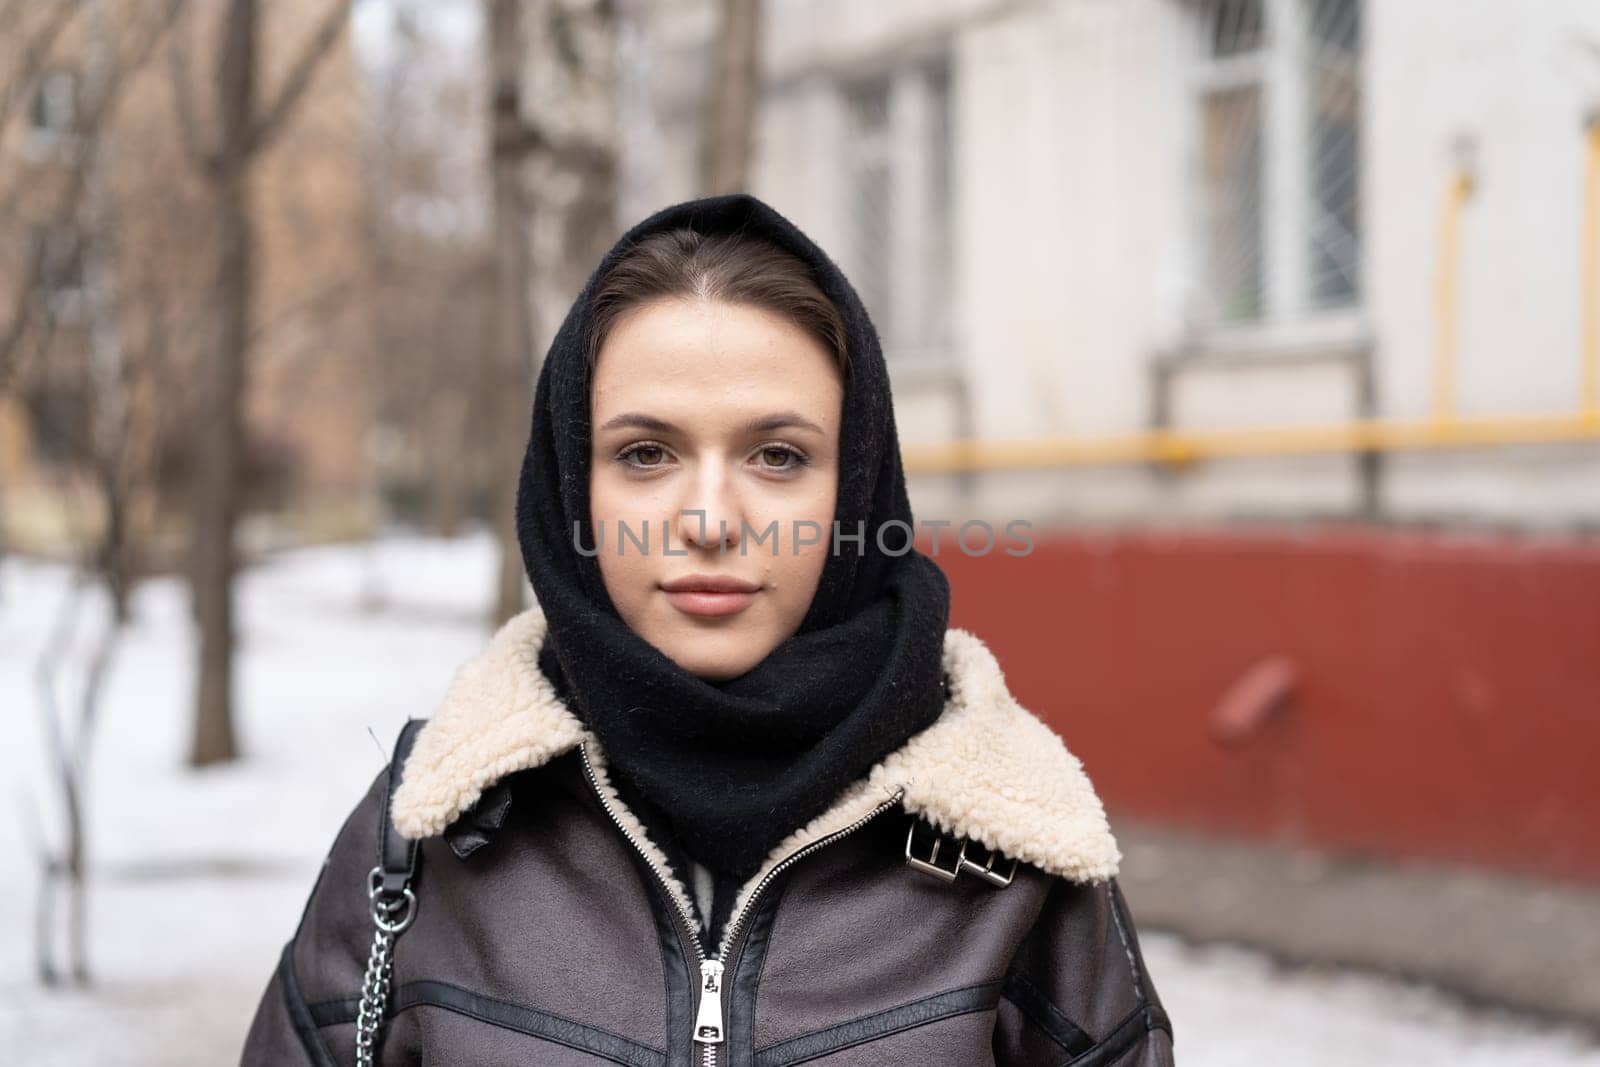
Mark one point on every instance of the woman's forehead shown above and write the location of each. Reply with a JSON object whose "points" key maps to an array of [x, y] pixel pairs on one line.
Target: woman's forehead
{"points": [[698, 362]]}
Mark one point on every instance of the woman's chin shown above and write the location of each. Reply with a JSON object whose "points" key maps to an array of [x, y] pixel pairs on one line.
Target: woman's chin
{"points": [[714, 657]]}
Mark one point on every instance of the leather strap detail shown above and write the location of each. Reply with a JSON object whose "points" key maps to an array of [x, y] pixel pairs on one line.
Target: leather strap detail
{"points": [[397, 857], [501, 1013], [981, 997]]}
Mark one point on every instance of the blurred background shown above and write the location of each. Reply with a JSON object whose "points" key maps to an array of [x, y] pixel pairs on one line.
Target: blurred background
{"points": [[1278, 319]]}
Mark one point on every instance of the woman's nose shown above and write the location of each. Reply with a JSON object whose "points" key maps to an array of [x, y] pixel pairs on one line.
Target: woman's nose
{"points": [[709, 514]]}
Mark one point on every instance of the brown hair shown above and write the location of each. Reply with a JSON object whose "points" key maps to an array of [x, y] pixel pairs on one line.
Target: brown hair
{"points": [[728, 267]]}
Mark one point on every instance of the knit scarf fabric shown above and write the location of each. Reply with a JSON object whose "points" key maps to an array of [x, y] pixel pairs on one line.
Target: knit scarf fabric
{"points": [[735, 766]]}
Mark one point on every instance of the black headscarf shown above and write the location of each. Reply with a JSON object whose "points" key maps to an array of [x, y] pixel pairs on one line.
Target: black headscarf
{"points": [[736, 765]]}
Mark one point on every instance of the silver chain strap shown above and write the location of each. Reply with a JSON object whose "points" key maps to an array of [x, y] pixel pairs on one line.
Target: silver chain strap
{"points": [[390, 917]]}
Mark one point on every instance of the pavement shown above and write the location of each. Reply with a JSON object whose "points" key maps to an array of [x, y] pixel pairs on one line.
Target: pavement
{"points": [[1495, 940]]}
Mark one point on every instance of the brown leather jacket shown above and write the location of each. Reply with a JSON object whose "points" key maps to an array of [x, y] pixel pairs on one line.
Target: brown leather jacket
{"points": [[548, 929]]}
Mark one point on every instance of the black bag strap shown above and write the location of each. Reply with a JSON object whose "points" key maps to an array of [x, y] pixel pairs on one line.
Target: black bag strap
{"points": [[397, 856], [394, 905]]}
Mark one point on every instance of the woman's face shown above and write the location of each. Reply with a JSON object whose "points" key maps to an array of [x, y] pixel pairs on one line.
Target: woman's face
{"points": [[713, 421]]}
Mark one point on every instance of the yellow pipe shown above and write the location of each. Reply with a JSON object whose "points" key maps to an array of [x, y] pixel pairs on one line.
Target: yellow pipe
{"points": [[1590, 327], [1444, 295], [1182, 446], [1443, 430]]}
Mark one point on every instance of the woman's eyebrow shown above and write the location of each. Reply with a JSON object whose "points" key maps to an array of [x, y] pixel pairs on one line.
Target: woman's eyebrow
{"points": [[639, 420], [765, 424], [781, 420]]}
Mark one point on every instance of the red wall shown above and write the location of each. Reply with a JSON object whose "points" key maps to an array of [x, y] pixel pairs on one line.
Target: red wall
{"points": [[1446, 699]]}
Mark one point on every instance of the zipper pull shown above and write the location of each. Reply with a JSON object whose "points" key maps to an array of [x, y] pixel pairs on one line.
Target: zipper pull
{"points": [[708, 1021]]}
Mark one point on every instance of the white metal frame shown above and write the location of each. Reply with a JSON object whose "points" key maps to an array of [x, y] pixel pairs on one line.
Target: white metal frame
{"points": [[1281, 66], [915, 309]]}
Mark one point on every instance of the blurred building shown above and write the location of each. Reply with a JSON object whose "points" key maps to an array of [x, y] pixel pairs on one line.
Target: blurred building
{"points": [[1173, 264], [113, 211], [1092, 217]]}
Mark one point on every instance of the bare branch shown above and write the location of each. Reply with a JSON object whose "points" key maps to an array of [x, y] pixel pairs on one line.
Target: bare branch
{"points": [[201, 155], [137, 57], [329, 303], [273, 116], [571, 152], [44, 676]]}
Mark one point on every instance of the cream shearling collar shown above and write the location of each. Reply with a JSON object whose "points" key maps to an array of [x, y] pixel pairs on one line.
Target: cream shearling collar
{"points": [[987, 768]]}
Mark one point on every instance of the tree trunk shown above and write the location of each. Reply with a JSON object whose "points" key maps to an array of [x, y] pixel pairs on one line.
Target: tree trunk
{"points": [[511, 354], [245, 125], [732, 106], [221, 425]]}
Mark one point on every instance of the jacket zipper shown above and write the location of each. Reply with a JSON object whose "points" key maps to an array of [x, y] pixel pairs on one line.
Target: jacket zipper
{"points": [[708, 1023]]}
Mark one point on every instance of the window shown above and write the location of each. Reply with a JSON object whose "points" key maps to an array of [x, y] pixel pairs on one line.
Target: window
{"points": [[1335, 107], [57, 260], [898, 189], [54, 110], [869, 193], [1231, 139], [55, 419], [1277, 228], [936, 318]]}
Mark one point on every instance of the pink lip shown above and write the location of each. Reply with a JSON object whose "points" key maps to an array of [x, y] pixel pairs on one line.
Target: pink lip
{"points": [[700, 602], [709, 583], [710, 595]]}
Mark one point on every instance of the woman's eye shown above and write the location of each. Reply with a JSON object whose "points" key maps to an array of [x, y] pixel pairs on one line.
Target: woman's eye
{"points": [[776, 458], [782, 457], [645, 455]]}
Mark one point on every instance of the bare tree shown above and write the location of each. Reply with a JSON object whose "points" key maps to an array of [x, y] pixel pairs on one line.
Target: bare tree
{"points": [[731, 106], [106, 443], [558, 139], [510, 372], [245, 124]]}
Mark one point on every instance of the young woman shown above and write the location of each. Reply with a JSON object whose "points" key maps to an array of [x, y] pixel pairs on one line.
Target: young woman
{"points": [[734, 793]]}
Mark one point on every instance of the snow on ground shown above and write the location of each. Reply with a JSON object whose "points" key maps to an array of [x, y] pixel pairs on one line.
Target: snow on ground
{"points": [[198, 877]]}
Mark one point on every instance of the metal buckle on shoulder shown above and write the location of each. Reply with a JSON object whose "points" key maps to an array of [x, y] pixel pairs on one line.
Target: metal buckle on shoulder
{"points": [[962, 861], [931, 864], [987, 871]]}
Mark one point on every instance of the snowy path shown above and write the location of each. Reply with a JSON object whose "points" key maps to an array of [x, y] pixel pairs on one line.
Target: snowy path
{"points": [[199, 877]]}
